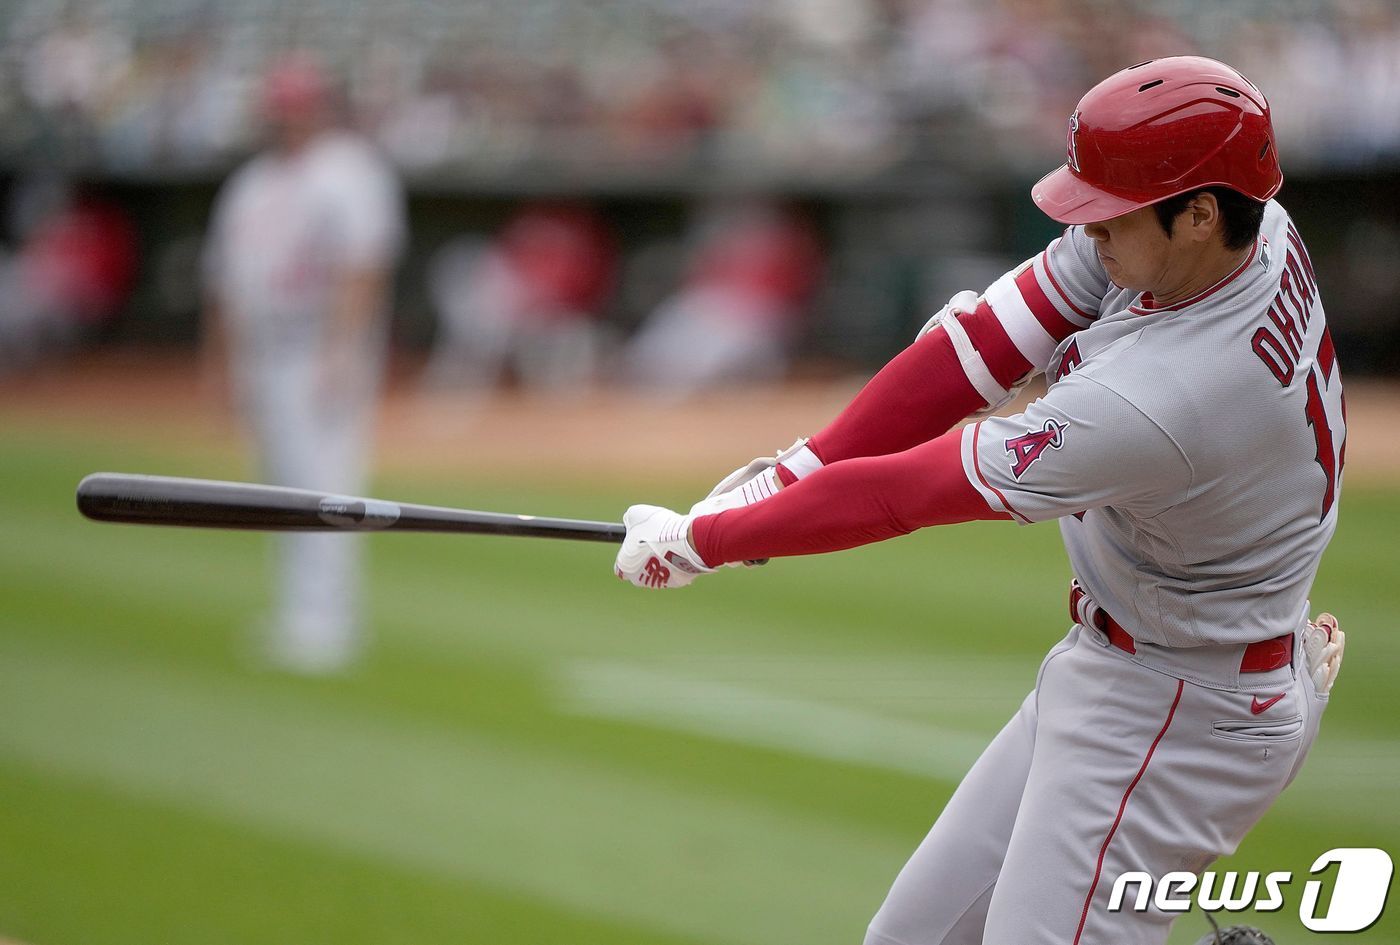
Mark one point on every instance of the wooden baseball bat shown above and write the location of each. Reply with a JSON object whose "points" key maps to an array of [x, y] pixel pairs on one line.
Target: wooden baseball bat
{"points": [[210, 503]]}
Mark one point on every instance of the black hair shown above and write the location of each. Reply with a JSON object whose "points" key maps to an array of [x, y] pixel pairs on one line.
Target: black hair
{"points": [[1240, 216]]}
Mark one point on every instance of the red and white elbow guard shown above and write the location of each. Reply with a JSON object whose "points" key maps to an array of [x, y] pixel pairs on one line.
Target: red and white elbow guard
{"points": [[973, 364]]}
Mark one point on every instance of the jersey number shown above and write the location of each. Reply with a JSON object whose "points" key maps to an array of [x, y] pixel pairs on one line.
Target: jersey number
{"points": [[1327, 456]]}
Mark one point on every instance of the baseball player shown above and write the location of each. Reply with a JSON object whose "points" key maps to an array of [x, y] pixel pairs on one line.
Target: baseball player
{"points": [[302, 247], [1190, 443]]}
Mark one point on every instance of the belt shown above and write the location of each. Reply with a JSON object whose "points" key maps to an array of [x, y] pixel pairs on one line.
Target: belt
{"points": [[1261, 657]]}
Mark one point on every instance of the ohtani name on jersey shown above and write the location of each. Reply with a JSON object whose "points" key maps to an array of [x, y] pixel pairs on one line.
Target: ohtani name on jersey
{"points": [[1281, 349], [1279, 342]]}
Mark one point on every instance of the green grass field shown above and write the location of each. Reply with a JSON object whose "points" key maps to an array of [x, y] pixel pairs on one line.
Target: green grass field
{"points": [[534, 752]]}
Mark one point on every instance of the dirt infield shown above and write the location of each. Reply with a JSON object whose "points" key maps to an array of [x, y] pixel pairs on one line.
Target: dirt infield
{"points": [[153, 399]]}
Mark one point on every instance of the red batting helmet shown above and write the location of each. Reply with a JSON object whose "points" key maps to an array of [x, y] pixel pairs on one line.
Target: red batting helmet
{"points": [[1158, 129]]}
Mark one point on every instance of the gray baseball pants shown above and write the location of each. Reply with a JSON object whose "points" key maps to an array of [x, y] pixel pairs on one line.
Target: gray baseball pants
{"points": [[1109, 766]]}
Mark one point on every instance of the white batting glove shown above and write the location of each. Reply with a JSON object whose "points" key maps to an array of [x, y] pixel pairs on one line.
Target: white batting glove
{"points": [[754, 482], [1323, 643], [757, 479], [656, 552]]}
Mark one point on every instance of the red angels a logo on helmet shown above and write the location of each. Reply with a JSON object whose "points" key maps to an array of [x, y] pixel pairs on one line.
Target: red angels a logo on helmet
{"points": [[1025, 449], [1072, 144]]}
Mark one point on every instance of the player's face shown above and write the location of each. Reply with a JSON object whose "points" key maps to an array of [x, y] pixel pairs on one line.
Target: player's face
{"points": [[1136, 252]]}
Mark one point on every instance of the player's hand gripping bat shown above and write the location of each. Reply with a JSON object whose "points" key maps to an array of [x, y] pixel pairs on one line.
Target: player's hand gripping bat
{"points": [[209, 503]]}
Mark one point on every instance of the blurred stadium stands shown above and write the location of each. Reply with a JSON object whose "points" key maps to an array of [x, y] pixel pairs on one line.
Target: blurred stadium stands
{"points": [[909, 127], [830, 88]]}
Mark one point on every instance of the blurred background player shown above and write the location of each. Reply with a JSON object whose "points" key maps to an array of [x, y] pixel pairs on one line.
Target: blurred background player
{"points": [[301, 253], [737, 312], [529, 301]]}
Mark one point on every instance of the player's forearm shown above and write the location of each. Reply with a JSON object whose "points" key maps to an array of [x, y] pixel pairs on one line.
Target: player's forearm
{"points": [[922, 392], [944, 378], [850, 503], [918, 395]]}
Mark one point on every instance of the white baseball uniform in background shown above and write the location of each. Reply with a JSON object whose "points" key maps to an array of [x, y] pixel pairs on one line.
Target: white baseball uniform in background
{"points": [[288, 228]]}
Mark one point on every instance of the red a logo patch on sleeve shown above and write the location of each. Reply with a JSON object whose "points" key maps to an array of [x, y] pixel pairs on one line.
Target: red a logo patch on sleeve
{"points": [[1026, 448]]}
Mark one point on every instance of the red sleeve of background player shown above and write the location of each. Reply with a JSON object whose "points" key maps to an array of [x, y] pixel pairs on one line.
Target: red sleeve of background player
{"points": [[938, 381], [850, 503]]}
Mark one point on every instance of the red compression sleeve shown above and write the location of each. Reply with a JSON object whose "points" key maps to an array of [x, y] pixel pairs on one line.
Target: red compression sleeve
{"points": [[851, 503], [920, 393]]}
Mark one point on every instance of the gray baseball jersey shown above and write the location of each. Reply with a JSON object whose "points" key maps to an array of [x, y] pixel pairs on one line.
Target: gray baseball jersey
{"points": [[1193, 455]]}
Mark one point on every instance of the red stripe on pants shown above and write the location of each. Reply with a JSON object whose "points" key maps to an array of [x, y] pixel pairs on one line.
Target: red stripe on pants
{"points": [[1122, 806]]}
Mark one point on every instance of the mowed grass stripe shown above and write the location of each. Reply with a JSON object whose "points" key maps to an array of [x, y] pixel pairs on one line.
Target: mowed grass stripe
{"points": [[696, 864], [814, 729], [978, 693], [742, 713], [86, 866]]}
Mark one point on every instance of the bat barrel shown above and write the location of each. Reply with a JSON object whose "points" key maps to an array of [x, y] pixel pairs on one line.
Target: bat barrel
{"points": [[206, 503], [168, 500]]}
